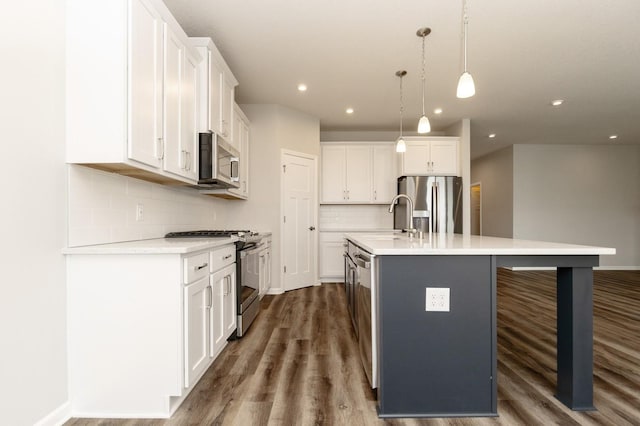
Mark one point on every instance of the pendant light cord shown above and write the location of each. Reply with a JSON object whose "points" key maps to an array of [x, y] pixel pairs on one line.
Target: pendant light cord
{"points": [[423, 66], [401, 106], [465, 21]]}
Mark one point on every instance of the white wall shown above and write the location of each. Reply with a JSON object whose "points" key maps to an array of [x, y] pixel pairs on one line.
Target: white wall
{"points": [[582, 194], [273, 128], [33, 370], [102, 208], [495, 172]]}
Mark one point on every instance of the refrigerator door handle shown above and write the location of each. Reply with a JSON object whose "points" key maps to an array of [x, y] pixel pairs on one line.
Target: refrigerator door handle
{"points": [[434, 204]]}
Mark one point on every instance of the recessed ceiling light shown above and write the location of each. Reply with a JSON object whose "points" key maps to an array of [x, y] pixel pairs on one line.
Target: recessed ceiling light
{"points": [[492, 135], [557, 102], [613, 137], [302, 87], [349, 110], [437, 111]]}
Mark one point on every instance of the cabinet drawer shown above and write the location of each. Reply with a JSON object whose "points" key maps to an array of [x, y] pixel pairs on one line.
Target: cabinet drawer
{"points": [[196, 267], [222, 257]]}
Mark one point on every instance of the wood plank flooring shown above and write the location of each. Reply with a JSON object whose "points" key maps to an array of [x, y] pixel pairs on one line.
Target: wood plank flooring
{"points": [[299, 365]]}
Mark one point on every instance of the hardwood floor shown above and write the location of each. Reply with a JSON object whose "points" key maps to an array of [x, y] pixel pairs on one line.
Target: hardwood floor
{"points": [[298, 364]]}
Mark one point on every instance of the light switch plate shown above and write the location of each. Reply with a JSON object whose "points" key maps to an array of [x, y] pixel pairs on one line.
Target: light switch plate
{"points": [[437, 299]]}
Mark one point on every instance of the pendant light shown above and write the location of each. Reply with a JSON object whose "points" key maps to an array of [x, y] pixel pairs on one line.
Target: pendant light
{"points": [[400, 145], [423, 125], [466, 88]]}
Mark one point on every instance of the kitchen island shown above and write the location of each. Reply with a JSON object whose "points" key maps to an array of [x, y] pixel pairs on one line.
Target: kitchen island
{"points": [[433, 319]]}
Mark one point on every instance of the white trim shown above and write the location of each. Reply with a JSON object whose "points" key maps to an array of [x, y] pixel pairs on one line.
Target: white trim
{"points": [[57, 417], [478, 184]]}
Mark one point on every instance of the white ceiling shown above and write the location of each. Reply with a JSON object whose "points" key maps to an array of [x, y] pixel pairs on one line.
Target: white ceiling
{"points": [[522, 55]]}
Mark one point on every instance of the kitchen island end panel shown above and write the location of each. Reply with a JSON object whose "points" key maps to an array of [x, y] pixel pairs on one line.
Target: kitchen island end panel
{"points": [[437, 364]]}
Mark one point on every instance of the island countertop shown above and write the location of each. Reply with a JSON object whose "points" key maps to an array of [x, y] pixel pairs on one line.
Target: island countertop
{"points": [[457, 244]]}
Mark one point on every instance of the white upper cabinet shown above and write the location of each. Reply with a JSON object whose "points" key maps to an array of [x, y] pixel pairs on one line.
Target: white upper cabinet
{"points": [[180, 136], [131, 87], [146, 84], [430, 156], [216, 92], [384, 176], [357, 173]]}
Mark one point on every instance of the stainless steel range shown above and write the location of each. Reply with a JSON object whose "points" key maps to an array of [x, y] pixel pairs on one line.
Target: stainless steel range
{"points": [[248, 247]]}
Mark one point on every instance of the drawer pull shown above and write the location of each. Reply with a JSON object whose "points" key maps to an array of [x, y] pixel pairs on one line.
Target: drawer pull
{"points": [[227, 257], [198, 268]]}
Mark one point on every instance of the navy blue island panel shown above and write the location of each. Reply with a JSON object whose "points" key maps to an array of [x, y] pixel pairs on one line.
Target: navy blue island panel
{"points": [[437, 364]]}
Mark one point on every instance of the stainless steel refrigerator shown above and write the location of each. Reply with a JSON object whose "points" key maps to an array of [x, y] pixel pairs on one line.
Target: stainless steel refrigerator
{"points": [[437, 203]]}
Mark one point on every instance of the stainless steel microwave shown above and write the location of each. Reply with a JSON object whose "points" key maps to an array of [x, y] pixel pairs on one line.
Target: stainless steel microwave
{"points": [[219, 163]]}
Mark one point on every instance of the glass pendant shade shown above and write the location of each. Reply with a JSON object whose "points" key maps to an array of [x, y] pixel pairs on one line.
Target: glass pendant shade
{"points": [[466, 88], [423, 125], [401, 146]]}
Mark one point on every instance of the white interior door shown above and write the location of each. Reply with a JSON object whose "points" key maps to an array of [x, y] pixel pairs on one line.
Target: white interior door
{"points": [[299, 248]]}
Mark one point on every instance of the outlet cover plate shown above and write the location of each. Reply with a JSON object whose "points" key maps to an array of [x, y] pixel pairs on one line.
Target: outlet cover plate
{"points": [[437, 299]]}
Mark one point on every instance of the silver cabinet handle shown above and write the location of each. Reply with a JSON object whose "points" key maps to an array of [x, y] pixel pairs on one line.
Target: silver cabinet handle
{"points": [[227, 257], [198, 268], [159, 149], [312, 228], [209, 297]]}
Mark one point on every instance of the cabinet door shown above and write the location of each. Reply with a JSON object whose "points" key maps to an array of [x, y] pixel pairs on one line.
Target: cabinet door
{"points": [[384, 176], [444, 157], [230, 302], [358, 173], [197, 306], [146, 27], [226, 108], [188, 116], [173, 69], [415, 161], [333, 174], [240, 137], [267, 270], [331, 259], [215, 95], [218, 289]]}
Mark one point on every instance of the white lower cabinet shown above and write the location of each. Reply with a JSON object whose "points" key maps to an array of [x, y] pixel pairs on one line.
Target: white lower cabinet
{"points": [[331, 256], [224, 316], [143, 328], [264, 267], [197, 329]]}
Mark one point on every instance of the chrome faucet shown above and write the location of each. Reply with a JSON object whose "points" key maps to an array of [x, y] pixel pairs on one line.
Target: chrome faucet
{"points": [[411, 230]]}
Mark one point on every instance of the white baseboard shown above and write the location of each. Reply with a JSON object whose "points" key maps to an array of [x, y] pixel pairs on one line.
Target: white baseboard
{"points": [[57, 417]]}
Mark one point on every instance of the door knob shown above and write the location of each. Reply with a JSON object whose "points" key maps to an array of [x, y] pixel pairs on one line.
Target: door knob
{"points": [[312, 228]]}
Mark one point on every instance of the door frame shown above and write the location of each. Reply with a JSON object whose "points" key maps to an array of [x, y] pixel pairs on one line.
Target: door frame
{"points": [[314, 245], [479, 185]]}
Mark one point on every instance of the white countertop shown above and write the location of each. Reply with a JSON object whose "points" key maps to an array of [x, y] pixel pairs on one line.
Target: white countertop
{"points": [[154, 246], [457, 244]]}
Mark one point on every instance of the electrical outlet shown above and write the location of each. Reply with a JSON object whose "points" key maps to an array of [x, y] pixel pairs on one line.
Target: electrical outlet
{"points": [[437, 299], [139, 213]]}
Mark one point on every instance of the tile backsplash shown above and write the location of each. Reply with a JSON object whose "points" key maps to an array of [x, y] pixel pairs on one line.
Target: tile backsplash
{"points": [[355, 217], [103, 208]]}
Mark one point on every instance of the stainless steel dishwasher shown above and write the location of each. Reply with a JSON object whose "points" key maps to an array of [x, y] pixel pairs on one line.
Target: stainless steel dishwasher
{"points": [[350, 282], [367, 315]]}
